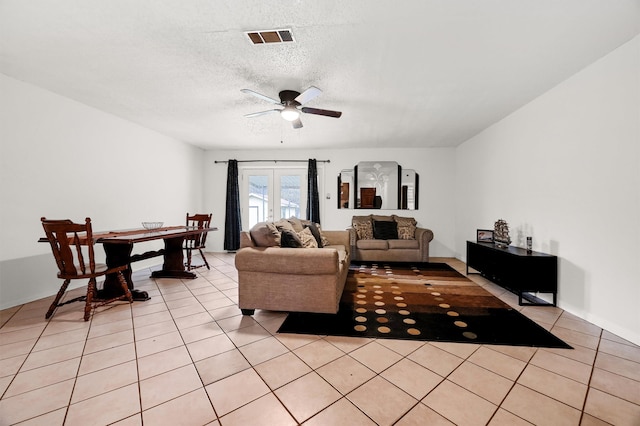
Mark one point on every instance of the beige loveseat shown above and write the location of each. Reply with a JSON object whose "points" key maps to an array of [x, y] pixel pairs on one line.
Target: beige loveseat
{"points": [[409, 244], [290, 279]]}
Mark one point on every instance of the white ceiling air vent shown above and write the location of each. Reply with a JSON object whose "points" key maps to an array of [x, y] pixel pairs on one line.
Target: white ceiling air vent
{"points": [[270, 36]]}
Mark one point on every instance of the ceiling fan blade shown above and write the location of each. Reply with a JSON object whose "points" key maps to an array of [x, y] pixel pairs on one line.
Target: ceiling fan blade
{"points": [[258, 95], [296, 123], [307, 95], [255, 114], [325, 112]]}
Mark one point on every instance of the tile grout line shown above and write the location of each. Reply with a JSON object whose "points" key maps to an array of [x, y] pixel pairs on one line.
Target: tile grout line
{"points": [[75, 379], [193, 362], [25, 360], [135, 350], [593, 367], [520, 375], [251, 366]]}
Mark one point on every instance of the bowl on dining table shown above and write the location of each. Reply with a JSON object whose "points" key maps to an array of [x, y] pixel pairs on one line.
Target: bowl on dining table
{"points": [[152, 225]]}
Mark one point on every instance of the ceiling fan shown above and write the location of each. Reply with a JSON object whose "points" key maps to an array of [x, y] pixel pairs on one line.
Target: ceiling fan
{"points": [[291, 101]]}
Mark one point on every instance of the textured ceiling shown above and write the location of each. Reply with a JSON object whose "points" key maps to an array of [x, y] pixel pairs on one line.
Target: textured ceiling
{"points": [[409, 74]]}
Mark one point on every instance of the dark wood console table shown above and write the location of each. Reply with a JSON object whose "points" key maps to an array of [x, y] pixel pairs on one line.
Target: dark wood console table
{"points": [[516, 270]]}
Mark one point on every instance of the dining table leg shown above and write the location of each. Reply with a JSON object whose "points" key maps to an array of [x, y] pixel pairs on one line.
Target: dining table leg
{"points": [[173, 266], [118, 255]]}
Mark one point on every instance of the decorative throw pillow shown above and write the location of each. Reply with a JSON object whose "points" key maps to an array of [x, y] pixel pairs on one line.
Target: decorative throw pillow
{"points": [[265, 234], [406, 227], [296, 223], [275, 233], [355, 219], [381, 218], [364, 230], [307, 238], [363, 227], [384, 230], [290, 239], [316, 233], [325, 240], [284, 224]]}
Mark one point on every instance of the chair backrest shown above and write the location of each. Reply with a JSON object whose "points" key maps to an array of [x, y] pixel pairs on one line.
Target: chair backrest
{"points": [[67, 239], [198, 221]]}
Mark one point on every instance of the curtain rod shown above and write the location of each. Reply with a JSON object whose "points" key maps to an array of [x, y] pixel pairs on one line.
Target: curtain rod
{"points": [[275, 161]]}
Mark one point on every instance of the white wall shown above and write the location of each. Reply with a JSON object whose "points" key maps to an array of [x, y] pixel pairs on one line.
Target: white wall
{"points": [[565, 169], [63, 159], [436, 168]]}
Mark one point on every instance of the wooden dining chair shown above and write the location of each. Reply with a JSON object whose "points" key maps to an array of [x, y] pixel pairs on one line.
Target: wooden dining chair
{"points": [[67, 240], [197, 242]]}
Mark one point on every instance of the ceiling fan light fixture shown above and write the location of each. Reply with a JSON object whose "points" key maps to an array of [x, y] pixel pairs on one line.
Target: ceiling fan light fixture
{"points": [[290, 113]]}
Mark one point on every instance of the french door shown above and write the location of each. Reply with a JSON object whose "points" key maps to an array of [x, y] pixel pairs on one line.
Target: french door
{"points": [[269, 194]]}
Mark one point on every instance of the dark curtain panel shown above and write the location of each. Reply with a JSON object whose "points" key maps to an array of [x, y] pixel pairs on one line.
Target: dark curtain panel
{"points": [[313, 198], [232, 224]]}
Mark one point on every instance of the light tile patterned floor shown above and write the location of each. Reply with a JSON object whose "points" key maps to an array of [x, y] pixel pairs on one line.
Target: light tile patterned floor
{"points": [[188, 357]]}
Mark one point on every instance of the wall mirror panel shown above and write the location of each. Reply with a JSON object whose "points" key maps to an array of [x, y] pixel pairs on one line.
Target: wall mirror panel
{"points": [[345, 188], [378, 185]]}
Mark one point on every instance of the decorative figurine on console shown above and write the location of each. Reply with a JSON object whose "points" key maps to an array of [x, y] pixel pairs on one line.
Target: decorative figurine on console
{"points": [[501, 233]]}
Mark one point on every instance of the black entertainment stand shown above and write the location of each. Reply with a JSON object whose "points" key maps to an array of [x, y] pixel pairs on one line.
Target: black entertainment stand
{"points": [[516, 270]]}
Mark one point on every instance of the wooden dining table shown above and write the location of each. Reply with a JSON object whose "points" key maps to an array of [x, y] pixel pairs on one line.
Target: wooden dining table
{"points": [[118, 247]]}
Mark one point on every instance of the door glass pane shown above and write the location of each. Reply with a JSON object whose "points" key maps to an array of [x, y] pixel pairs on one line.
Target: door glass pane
{"points": [[258, 199], [272, 194], [290, 196]]}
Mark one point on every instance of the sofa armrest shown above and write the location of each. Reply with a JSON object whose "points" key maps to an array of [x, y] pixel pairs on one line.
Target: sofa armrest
{"points": [[285, 260], [339, 238], [353, 236], [424, 236]]}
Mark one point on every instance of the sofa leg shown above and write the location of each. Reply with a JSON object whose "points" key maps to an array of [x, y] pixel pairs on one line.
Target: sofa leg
{"points": [[247, 311]]}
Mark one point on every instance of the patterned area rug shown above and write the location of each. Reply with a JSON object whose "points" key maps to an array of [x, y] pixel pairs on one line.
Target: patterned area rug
{"points": [[422, 301]]}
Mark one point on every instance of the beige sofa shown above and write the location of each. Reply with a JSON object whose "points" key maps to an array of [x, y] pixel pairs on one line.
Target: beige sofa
{"points": [[291, 279], [410, 245]]}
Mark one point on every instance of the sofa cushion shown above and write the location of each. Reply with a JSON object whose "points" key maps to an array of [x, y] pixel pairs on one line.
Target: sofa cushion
{"points": [[372, 244], [385, 230], [406, 227], [265, 234], [307, 238], [290, 238], [404, 244], [316, 233]]}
